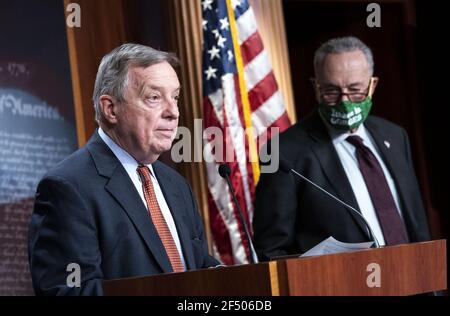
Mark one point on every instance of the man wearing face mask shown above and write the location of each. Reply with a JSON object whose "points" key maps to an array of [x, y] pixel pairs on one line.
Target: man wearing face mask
{"points": [[363, 160]]}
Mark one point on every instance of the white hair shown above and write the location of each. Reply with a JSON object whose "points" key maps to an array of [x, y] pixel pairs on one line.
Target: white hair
{"points": [[342, 45], [112, 74]]}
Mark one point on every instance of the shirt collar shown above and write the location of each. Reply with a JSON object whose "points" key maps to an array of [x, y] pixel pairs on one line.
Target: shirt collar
{"points": [[124, 157], [338, 136]]}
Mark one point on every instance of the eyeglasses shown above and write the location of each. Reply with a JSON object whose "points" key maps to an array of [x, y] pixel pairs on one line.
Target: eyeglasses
{"points": [[333, 96]]}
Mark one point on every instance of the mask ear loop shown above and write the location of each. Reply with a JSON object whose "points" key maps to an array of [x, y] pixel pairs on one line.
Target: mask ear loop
{"points": [[370, 93]]}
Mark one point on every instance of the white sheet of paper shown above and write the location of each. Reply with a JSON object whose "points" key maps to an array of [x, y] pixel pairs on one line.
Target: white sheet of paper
{"points": [[331, 245]]}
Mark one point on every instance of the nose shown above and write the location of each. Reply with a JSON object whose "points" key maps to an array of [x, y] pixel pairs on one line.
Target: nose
{"points": [[344, 96], [171, 109]]}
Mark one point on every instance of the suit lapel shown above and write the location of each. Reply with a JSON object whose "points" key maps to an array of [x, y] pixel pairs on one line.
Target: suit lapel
{"points": [[125, 193], [176, 203], [396, 168], [331, 165], [123, 190]]}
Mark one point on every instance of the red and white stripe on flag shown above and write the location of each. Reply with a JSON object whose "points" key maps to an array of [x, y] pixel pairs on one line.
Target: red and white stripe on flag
{"points": [[239, 92]]}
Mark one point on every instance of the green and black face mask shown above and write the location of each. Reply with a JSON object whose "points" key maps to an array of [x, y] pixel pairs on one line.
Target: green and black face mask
{"points": [[346, 115]]}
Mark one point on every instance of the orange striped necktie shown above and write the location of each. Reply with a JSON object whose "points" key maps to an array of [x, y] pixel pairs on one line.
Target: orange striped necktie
{"points": [[158, 219]]}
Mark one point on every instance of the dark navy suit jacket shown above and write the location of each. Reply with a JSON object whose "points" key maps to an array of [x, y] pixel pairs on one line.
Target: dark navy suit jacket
{"points": [[87, 211], [292, 216]]}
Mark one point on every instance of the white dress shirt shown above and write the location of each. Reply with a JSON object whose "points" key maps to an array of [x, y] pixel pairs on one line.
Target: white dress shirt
{"points": [[130, 165], [347, 156]]}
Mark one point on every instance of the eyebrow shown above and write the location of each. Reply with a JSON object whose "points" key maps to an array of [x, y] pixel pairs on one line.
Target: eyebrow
{"points": [[144, 88], [350, 86], [358, 84], [153, 87]]}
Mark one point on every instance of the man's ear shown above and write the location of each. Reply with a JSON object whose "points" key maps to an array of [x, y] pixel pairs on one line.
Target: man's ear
{"points": [[108, 108], [374, 85], [315, 88]]}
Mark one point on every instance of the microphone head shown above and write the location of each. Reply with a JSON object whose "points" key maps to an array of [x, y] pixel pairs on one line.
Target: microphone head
{"points": [[285, 165], [224, 170]]}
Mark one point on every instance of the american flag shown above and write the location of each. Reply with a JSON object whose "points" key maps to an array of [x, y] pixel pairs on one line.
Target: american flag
{"points": [[239, 92]]}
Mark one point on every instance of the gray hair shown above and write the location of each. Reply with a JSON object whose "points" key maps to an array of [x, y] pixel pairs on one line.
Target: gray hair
{"points": [[342, 45], [112, 74]]}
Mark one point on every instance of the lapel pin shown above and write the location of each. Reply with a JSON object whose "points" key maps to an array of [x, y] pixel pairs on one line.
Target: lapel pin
{"points": [[388, 145]]}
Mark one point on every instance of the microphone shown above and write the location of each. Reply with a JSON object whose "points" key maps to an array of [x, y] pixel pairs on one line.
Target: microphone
{"points": [[287, 167], [224, 172]]}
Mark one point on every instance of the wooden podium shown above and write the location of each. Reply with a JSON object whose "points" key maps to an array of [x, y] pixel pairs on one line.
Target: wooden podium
{"points": [[400, 270]]}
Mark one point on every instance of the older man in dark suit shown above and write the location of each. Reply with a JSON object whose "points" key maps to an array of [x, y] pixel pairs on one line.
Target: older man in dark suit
{"points": [[363, 160], [111, 208]]}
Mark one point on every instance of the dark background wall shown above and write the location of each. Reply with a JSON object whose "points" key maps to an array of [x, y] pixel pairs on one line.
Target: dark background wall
{"points": [[34, 72], [432, 76], [410, 62]]}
